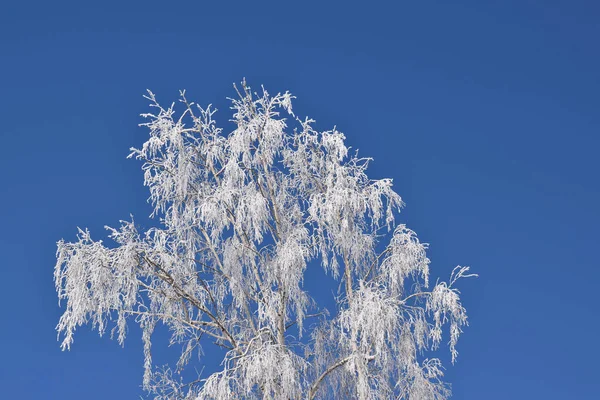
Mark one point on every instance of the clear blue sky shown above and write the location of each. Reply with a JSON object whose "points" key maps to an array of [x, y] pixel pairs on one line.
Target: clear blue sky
{"points": [[485, 113]]}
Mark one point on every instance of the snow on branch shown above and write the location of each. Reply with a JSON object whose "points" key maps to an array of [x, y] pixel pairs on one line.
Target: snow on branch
{"points": [[241, 216]]}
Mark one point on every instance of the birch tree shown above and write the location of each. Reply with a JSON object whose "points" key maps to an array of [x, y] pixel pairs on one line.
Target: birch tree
{"points": [[239, 217]]}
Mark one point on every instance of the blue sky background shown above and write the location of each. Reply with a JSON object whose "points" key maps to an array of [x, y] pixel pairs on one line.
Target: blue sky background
{"points": [[485, 113]]}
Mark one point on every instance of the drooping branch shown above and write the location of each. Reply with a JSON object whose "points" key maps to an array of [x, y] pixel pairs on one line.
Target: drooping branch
{"points": [[314, 388]]}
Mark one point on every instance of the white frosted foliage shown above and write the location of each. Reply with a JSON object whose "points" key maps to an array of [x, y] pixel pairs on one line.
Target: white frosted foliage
{"points": [[240, 218]]}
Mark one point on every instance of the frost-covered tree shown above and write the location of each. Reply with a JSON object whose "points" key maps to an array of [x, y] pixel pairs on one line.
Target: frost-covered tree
{"points": [[240, 216]]}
